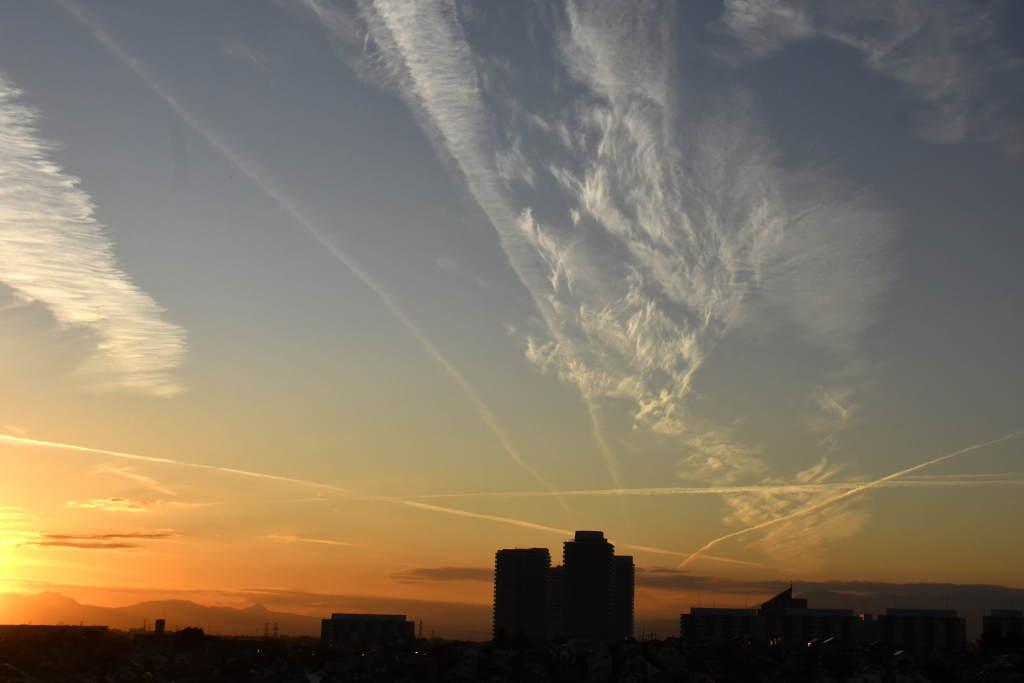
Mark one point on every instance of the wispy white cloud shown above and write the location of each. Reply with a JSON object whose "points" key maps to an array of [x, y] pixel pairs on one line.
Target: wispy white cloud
{"points": [[53, 251], [13, 516], [242, 52], [812, 512], [716, 455], [947, 53], [797, 544], [832, 408], [112, 504], [683, 227], [673, 224], [115, 541]]}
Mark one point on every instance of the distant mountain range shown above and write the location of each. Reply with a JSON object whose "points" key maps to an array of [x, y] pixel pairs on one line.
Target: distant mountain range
{"points": [[473, 621], [53, 608], [450, 620]]}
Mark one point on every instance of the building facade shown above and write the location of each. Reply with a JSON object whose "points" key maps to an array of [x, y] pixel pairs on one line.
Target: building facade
{"points": [[623, 596], [521, 577], [589, 586], [366, 631], [1003, 623], [719, 625], [932, 628]]}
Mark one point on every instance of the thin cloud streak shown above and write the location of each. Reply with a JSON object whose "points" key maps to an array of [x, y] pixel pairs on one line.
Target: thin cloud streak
{"points": [[531, 525], [227, 470], [56, 253], [950, 481], [163, 461], [301, 539], [131, 475], [112, 504], [263, 180], [477, 515], [803, 512], [119, 541]]}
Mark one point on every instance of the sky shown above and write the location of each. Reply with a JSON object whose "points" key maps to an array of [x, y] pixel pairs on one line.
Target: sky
{"points": [[338, 297]]}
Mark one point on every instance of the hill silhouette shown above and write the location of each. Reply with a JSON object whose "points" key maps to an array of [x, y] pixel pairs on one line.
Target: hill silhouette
{"points": [[452, 620], [53, 608]]}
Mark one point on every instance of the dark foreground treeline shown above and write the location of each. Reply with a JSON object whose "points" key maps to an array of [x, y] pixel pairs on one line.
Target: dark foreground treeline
{"points": [[70, 653]]}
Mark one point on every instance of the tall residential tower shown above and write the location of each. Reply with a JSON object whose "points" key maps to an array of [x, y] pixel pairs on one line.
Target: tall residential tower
{"points": [[589, 586], [590, 596], [521, 592]]}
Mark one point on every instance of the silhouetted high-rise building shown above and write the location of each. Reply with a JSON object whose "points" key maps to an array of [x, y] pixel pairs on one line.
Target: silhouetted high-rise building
{"points": [[556, 602], [589, 586], [589, 596], [521, 592], [622, 605]]}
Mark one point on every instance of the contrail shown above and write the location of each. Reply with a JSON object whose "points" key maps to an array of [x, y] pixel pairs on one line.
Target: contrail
{"points": [[955, 481], [297, 539], [17, 440], [471, 515], [842, 496], [262, 180], [602, 443], [477, 515], [163, 461], [22, 441]]}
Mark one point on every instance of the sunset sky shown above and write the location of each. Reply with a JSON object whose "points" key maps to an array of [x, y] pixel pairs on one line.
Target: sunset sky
{"points": [[338, 297]]}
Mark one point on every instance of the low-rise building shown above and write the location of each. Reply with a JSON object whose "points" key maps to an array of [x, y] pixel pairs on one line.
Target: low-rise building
{"points": [[938, 629], [1003, 622], [366, 630], [718, 625]]}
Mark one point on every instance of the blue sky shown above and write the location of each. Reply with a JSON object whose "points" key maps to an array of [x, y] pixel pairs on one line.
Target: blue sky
{"points": [[635, 263]]}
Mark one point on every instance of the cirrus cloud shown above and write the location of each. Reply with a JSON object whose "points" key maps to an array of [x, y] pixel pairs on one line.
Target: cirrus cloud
{"points": [[54, 252]]}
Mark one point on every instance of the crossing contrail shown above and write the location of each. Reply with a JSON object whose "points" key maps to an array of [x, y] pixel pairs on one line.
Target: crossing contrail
{"points": [[842, 496]]}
